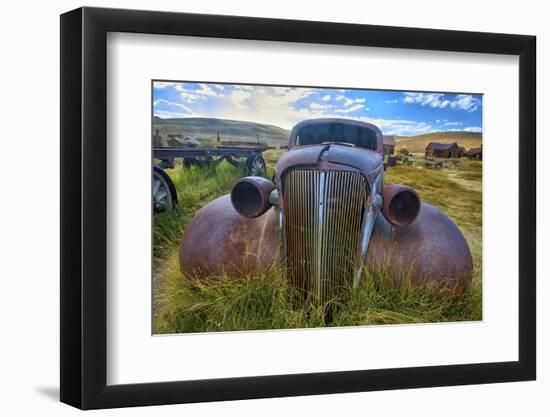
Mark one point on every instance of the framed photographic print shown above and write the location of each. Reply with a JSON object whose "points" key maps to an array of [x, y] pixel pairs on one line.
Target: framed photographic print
{"points": [[257, 208]]}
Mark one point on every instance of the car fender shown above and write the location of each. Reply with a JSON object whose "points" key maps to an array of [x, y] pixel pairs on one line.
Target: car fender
{"points": [[218, 240]]}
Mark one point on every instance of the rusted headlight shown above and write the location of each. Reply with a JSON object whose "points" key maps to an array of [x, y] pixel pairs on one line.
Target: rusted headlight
{"points": [[401, 204], [250, 196]]}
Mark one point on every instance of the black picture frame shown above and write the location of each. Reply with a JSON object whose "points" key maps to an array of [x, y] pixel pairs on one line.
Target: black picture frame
{"points": [[84, 207]]}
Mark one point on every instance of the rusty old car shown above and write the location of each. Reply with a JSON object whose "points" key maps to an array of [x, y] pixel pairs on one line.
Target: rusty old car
{"points": [[325, 218]]}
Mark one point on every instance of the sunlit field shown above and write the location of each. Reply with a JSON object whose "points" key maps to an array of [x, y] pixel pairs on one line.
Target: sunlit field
{"points": [[183, 305]]}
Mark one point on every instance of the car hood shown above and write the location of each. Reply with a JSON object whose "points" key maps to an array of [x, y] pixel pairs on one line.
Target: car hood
{"points": [[329, 157]]}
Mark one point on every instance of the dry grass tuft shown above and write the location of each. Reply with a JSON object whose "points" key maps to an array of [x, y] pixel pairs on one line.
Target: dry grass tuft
{"points": [[183, 305]]}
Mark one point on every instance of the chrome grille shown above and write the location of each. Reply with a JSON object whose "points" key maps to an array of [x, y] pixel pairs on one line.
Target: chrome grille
{"points": [[322, 222]]}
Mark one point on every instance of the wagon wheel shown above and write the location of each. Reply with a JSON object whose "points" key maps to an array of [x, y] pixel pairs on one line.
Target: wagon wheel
{"points": [[164, 191], [256, 165]]}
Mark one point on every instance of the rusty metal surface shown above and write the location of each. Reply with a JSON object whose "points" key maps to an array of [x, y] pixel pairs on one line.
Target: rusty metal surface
{"points": [[218, 239], [250, 196], [401, 204], [349, 122], [368, 162], [432, 249], [322, 221], [303, 156], [325, 192]]}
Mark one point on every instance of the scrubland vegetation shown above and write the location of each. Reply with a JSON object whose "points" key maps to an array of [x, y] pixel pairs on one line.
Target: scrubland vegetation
{"points": [[183, 305]]}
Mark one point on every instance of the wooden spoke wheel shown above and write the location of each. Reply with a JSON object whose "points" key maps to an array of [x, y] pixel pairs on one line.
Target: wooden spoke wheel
{"points": [[256, 166], [164, 191]]}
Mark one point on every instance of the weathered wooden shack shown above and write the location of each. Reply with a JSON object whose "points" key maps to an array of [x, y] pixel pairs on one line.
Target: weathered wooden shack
{"points": [[442, 150], [389, 145], [475, 153]]}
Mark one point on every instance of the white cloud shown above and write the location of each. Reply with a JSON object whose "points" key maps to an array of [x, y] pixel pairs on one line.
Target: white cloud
{"points": [[350, 109], [240, 98], [189, 97], [317, 106], [452, 123], [165, 114], [461, 102], [164, 84], [473, 129], [205, 90], [244, 87], [434, 100], [465, 102], [192, 95], [400, 127], [394, 101], [349, 101], [171, 104], [280, 106], [271, 105]]}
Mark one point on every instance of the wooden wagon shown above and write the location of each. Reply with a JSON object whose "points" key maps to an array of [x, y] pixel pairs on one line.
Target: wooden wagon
{"points": [[164, 191]]}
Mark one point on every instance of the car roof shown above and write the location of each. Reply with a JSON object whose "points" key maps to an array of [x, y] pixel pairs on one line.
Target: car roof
{"points": [[349, 122]]}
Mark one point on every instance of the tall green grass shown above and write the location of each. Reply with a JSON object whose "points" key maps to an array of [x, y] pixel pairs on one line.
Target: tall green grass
{"points": [[195, 187], [265, 301]]}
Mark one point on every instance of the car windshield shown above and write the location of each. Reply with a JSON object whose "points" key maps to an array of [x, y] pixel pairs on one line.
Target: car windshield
{"points": [[319, 133]]}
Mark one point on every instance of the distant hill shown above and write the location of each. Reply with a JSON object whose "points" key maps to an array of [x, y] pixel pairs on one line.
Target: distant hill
{"points": [[418, 143], [206, 129]]}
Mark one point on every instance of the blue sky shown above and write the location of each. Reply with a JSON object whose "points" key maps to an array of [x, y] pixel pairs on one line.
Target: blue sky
{"points": [[395, 113]]}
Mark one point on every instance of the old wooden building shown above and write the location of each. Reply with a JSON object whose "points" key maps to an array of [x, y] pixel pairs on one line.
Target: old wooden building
{"points": [[443, 150], [475, 153], [389, 145]]}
